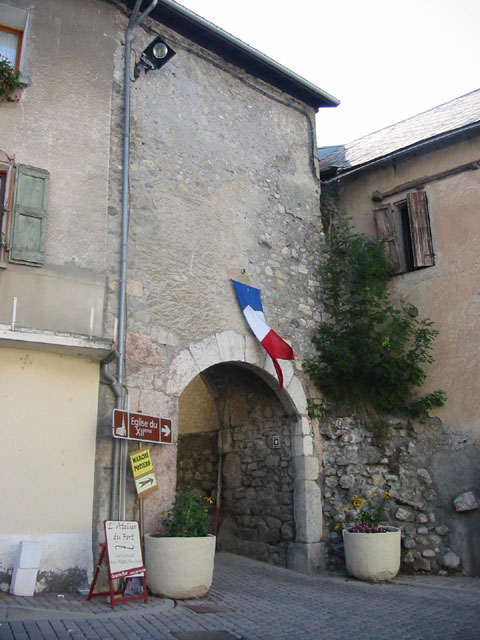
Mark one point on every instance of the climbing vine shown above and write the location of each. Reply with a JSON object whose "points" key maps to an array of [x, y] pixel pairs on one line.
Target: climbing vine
{"points": [[369, 352]]}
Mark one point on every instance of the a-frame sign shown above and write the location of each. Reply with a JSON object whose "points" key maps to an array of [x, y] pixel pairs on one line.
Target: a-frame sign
{"points": [[124, 560]]}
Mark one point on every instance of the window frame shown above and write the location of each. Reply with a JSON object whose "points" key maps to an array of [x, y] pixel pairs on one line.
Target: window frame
{"points": [[18, 53], [17, 20], [405, 229]]}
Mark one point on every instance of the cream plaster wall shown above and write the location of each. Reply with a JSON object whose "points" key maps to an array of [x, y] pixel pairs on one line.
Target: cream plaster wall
{"points": [[448, 292], [47, 425]]}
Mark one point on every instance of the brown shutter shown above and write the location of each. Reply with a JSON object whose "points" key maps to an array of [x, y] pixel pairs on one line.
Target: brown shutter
{"points": [[386, 227], [420, 232]]}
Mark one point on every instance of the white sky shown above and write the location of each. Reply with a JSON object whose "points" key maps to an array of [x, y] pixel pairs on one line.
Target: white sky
{"points": [[385, 60]]}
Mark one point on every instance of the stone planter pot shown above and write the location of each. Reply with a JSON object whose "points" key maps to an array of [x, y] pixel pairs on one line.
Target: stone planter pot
{"points": [[179, 568], [373, 556]]}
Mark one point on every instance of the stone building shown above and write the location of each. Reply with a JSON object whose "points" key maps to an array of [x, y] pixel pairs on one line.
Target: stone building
{"points": [[416, 185], [223, 182]]}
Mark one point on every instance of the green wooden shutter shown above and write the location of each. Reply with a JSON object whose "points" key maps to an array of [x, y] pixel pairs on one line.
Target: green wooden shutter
{"points": [[386, 227], [422, 245], [29, 213]]}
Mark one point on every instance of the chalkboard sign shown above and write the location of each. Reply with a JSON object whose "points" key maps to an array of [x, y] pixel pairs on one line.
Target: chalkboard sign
{"points": [[124, 551]]}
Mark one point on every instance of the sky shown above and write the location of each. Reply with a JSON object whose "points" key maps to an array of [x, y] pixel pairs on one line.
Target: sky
{"points": [[384, 60]]}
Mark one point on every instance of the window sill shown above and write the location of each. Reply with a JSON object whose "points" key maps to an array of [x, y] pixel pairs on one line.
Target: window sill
{"points": [[3, 264], [71, 344]]}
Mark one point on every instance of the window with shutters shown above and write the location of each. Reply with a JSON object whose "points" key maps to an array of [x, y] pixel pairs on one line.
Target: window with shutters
{"points": [[404, 227]]}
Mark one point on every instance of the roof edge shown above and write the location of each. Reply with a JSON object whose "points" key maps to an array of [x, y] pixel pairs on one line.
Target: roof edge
{"points": [[208, 35], [420, 145]]}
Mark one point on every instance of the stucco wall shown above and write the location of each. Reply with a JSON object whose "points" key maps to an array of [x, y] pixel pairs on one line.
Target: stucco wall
{"points": [[47, 422], [62, 124], [448, 291]]}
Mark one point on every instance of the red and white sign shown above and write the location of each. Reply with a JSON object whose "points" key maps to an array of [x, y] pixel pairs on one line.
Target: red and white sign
{"points": [[138, 426]]}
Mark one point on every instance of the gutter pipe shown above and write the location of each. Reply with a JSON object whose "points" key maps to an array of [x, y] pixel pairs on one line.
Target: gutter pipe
{"points": [[120, 447]]}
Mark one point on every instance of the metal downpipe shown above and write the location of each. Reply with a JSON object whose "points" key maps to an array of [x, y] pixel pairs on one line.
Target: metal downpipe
{"points": [[120, 448]]}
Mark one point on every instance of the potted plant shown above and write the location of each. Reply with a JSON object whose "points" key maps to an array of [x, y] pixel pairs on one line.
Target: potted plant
{"points": [[9, 80], [179, 557], [372, 551]]}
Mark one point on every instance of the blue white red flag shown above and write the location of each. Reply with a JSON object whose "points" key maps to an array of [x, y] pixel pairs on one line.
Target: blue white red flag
{"points": [[251, 303]]}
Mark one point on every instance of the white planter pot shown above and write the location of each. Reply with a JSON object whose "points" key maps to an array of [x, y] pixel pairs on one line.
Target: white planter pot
{"points": [[372, 556], [179, 567]]}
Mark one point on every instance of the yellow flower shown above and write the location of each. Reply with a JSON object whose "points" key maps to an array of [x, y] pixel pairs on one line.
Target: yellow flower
{"points": [[337, 525], [357, 503], [162, 513], [374, 494], [208, 499], [386, 495]]}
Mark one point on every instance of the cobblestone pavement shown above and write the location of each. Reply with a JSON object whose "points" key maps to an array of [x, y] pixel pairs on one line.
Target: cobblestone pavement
{"points": [[250, 600]]}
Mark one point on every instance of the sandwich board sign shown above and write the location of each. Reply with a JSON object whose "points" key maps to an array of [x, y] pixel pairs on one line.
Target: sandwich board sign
{"points": [[124, 560], [123, 547]]}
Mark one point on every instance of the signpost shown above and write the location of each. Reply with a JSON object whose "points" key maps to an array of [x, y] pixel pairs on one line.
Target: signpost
{"points": [[138, 426]]}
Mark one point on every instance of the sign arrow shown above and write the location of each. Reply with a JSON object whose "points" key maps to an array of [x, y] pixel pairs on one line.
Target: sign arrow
{"points": [[166, 430], [142, 483]]}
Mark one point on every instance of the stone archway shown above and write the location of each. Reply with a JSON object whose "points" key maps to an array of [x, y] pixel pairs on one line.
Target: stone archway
{"points": [[305, 551]]}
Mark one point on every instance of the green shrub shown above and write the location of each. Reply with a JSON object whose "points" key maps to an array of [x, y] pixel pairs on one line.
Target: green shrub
{"points": [[370, 352]]}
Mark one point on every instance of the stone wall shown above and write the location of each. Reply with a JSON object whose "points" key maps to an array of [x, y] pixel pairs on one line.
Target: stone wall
{"points": [[258, 491], [412, 464], [222, 184], [197, 462]]}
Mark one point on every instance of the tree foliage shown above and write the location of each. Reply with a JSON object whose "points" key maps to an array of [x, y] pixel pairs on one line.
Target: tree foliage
{"points": [[370, 352]]}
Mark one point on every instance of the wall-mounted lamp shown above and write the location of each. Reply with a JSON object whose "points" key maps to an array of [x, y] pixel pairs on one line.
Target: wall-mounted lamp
{"points": [[155, 56]]}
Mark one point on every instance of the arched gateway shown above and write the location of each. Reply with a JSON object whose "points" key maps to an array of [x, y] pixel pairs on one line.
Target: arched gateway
{"points": [[231, 409]]}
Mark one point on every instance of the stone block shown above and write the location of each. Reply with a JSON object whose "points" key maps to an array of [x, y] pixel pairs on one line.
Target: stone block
{"points": [[306, 467], [206, 352], [307, 511], [28, 555], [302, 446], [404, 515], [231, 346], [26, 567], [297, 394], [465, 502], [182, 370], [254, 352], [287, 370], [450, 560], [306, 558]]}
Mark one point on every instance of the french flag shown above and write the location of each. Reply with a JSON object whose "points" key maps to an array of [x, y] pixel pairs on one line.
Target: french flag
{"points": [[251, 303]]}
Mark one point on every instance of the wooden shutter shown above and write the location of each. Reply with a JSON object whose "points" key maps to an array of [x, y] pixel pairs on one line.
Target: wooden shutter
{"points": [[420, 232], [29, 213], [386, 227]]}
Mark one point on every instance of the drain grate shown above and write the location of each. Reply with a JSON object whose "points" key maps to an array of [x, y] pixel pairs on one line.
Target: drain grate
{"points": [[205, 635], [204, 607]]}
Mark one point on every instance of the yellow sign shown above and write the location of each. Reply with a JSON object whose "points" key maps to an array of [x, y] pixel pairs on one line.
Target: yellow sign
{"points": [[141, 462], [146, 484]]}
